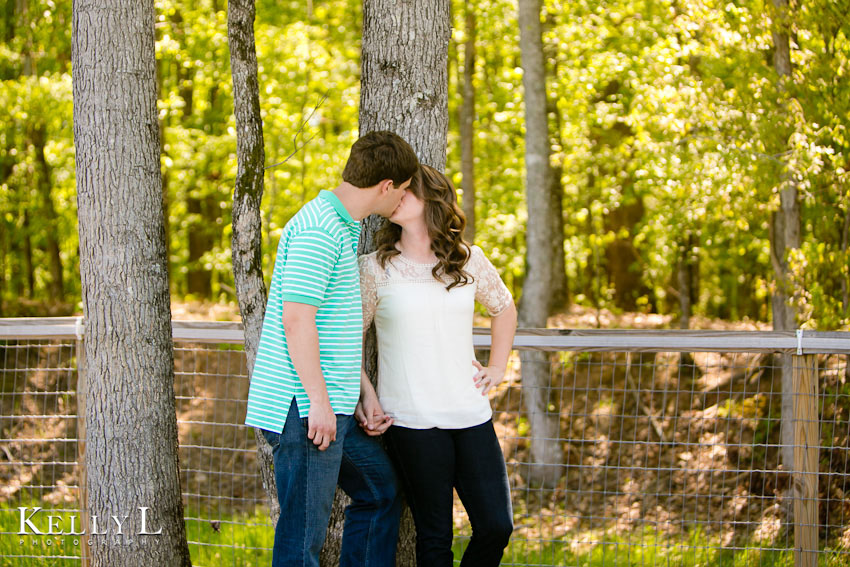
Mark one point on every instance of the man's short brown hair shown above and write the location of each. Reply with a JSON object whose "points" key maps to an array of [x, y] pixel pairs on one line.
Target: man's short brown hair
{"points": [[377, 156]]}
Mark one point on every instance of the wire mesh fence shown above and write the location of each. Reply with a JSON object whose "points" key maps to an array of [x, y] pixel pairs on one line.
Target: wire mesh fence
{"points": [[671, 457]]}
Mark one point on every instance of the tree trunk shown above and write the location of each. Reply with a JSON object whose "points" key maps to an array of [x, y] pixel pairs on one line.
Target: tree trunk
{"points": [[685, 279], [29, 271], [45, 186], [200, 240], [785, 236], [546, 456], [845, 277], [622, 256], [3, 248], [404, 89], [246, 242], [560, 289], [9, 21], [467, 120], [130, 417]]}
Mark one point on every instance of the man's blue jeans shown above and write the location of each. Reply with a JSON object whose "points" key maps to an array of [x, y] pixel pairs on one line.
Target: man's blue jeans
{"points": [[306, 481]]}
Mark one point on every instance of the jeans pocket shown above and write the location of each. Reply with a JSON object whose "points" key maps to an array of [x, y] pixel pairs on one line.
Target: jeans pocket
{"points": [[272, 438]]}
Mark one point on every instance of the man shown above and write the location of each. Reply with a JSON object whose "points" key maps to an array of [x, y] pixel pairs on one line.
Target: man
{"points": [[307, 379]]}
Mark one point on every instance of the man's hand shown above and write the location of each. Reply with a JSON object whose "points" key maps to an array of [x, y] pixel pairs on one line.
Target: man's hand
{"points": [[487, 377], [371, 417], [321, 425]]}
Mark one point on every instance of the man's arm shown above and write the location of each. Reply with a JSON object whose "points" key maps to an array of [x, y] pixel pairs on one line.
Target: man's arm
{"points": [[302, 339]]}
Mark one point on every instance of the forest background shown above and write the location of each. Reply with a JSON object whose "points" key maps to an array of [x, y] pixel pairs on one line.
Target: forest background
{"points": [[672, 136]]}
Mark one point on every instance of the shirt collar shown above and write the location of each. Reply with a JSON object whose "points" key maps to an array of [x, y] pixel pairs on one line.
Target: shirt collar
{"points": [[334, 201]]}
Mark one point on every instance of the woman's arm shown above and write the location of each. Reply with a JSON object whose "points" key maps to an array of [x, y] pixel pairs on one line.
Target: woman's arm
{"points": [[369, 414], [502, 327]]}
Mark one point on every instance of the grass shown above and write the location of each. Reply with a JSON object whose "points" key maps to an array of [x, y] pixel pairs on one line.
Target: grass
{"points": [[245, 540]]}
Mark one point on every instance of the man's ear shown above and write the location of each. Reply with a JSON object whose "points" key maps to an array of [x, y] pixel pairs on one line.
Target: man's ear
{"points": [[385, 186]]}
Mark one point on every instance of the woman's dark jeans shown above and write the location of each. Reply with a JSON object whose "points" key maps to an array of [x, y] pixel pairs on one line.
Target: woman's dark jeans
{"points": [[430, 462]]}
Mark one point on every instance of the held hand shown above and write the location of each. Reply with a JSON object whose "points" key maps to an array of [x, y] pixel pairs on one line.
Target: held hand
{"points": [[371, 417], [487, 377], [321, 425]]}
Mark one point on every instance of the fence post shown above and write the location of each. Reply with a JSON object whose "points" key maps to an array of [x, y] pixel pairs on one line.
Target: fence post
{"points": [[805, 478], [82, 390]]}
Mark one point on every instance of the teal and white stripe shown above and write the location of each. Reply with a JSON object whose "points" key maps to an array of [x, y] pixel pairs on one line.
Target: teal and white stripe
{"points": [[316, 264]]}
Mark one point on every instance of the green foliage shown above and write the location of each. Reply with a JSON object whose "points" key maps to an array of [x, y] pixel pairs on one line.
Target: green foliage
{"points": [[670, 129]]}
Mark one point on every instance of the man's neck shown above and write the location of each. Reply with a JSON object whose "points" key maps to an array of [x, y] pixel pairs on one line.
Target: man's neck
{"points": [[352, 198]]}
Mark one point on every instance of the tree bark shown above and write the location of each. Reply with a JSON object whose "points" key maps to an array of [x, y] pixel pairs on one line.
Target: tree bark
{"points": [[130, 417], [785, 236], [246, 242], [546, 456], [404, 88], [467, 120]]}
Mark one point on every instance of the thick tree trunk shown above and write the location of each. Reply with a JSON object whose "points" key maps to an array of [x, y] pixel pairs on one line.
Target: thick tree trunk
{"points": [[404, 89], [45, 186], [467, 120], [130, 418], [246, 242], [785, 236], [546, 455]]}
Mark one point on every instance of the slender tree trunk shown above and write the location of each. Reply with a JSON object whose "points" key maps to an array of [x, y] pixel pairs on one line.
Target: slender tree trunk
{"points": [[9, 21], [198, 278], [785, 236], [467, 120], [404, 89], [130, 416], [845, 278], [7, 161], [560, 289], [45, 186], [247, 239], [29, 271], [685, 279], [560, 285], [546, 455], [3, 248]]}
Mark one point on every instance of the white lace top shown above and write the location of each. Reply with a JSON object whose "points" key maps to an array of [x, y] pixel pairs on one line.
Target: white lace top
{"points": [[424, 332]]}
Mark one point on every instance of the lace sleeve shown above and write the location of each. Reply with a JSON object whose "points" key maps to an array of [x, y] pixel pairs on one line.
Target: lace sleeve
{"points": [[491, 291], [368, 289]]}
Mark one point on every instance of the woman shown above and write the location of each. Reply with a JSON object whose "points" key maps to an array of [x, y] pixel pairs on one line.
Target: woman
{"points": [[420, 287]]}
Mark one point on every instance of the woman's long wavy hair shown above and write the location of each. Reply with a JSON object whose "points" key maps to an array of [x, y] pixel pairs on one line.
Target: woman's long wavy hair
{"points": [[445, 222]]}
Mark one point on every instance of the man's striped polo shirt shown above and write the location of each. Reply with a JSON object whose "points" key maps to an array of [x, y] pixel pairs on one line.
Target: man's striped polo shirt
{"points": [[316, 264]]}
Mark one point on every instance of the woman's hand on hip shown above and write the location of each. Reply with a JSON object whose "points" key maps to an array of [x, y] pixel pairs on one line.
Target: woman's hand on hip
{"points": [[487, 377]]}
